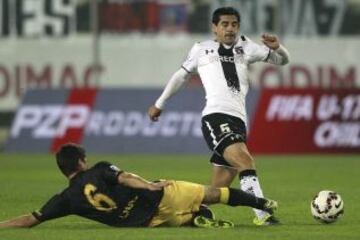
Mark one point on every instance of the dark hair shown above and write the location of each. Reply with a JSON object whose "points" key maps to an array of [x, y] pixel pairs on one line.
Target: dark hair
{"points": [[68, 156], [224, 11]]}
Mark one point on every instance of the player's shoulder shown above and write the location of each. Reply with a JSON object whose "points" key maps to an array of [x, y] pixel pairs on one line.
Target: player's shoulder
{"points": [[245, 41], [207, 44], [106, 165], [102, 164], [244, 38], [249, 46], [204, 46]]}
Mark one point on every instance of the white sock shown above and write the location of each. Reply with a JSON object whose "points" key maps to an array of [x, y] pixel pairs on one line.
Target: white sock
{"points": [[251, 185]]}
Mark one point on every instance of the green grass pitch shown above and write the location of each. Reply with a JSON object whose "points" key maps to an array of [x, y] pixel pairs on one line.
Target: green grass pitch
{"points": [[27, 181]]}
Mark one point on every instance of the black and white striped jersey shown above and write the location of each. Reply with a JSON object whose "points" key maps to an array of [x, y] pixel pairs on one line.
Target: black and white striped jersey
{"points": [[224, 72]]}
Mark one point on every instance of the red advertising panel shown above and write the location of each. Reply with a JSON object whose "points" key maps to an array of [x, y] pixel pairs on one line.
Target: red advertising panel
{"points": [[72, 121], [306, 121]]}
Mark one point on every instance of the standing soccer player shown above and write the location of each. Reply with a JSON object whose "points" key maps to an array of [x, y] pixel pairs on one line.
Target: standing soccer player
{"points": [[223, 68]]}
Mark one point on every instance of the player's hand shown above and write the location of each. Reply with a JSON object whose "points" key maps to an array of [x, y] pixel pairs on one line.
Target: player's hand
{"points": [[154, 113], [156, 186], [270, 40]]}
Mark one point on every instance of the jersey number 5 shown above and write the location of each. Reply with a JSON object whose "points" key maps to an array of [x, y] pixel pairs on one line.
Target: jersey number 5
{"points": [[225, 128], [100, 201]]}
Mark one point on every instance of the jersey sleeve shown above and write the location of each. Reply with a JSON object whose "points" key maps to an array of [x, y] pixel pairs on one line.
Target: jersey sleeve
{"points": [[257, 52], [191, 61], [109, 172], [280, 56], [56, 207]]}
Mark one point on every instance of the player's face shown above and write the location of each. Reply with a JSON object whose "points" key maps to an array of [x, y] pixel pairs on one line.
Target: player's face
{"points": [[227, 29]]}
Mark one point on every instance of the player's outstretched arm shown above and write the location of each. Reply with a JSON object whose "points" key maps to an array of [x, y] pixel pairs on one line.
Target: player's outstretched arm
{"points": [[135, 181], [25, 221], [280, 55], [175, 84]]}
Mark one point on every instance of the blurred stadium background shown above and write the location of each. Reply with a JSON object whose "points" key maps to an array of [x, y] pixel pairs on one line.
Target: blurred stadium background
{"points": [[113, 57], [121, 44]]}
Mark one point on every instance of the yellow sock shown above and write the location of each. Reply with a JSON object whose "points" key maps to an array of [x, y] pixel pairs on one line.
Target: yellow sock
{"points": [[224, 195]]}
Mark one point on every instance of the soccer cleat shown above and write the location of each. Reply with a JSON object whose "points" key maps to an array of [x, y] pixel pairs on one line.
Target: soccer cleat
{"points": [[273, 221], [270, 206], [205, 212], [267, 220], [203, 222]]}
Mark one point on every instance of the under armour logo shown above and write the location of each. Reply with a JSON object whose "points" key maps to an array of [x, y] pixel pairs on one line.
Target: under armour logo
{"points": [[209, 51], [238, 136]]}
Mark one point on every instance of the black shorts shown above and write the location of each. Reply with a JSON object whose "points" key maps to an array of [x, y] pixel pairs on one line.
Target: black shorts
{"points": [[220, 131]]}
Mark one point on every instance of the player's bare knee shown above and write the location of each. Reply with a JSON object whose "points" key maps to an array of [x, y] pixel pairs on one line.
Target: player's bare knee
{"points": [[241, 162], [212, 195], [238, 156]]}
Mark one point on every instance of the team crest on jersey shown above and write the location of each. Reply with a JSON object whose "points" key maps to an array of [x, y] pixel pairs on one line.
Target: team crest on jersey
{"points": [[239, 50]]}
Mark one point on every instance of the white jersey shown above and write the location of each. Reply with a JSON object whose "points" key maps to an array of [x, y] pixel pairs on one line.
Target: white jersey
{"points": [[224, 73]]}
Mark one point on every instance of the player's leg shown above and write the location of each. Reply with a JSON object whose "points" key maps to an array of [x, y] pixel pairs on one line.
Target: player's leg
{"points": [[222, 176], [232, 197], [226, 136], [180, 204], [239, 157], [236, 197]]}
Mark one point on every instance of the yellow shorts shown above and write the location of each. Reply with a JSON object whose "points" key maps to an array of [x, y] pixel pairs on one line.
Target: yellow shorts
{"points": [[181, 199]]}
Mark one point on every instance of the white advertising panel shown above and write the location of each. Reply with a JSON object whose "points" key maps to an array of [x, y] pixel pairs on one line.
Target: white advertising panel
{"points": [[139, 61]]}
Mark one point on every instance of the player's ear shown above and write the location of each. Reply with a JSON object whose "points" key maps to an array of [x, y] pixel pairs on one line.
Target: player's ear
{"points": [[214, 28], [82, 164]]}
